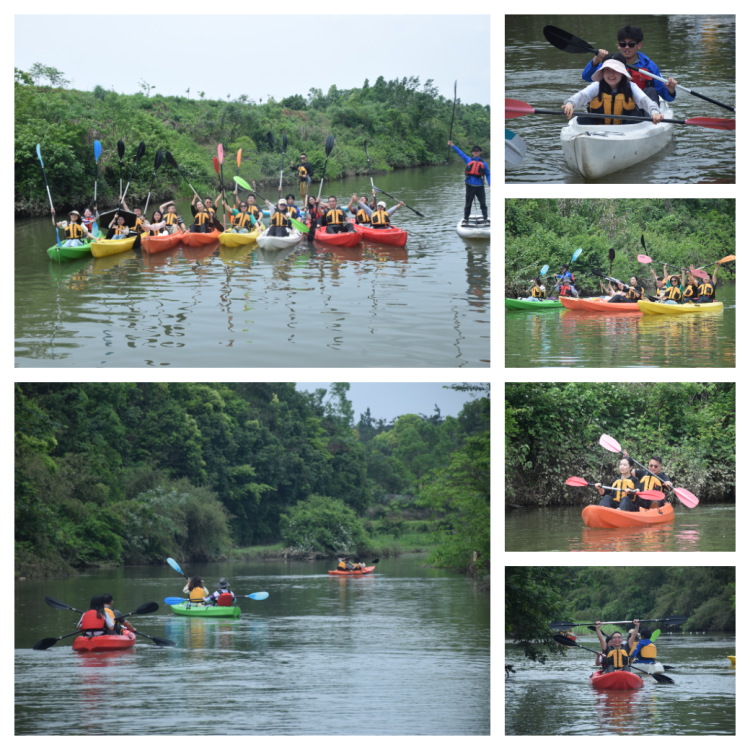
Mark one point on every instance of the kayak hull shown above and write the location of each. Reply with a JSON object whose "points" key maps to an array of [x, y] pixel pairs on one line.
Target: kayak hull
{"points": [[654, 308], [733, 659], [474, 231], [234, 239], [160, 243], [103, 248], [608, 307], [615, 681], [201, 611], [105, 642], [573, 303], [391, 236], [362, 572], [194, 239], [342, 239], [595, 151], [525, 304], [70, 253], [599, 517], [279, 243]]}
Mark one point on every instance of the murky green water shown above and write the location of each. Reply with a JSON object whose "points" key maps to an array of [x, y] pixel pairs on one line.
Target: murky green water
{"points": [[706, 528], [698, 51], [577, 338], [323, 655], [556, 698]]}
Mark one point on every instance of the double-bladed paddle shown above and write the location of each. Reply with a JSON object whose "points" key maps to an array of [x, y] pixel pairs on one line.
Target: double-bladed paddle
{"points": [[670, 621], [685, 496], [627, 286], [450, 136], [516, 108], [173, 163], [645, 494], [369, 167], [283, 153], [566, 42], [654, 636], [725, 259], [158, 161], [49, 195], [258, 597]]}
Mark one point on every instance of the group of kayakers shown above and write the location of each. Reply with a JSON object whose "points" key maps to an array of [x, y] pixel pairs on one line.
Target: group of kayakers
{"points": [[617, 654], [198, 593], [101, 617], [631, 479]]}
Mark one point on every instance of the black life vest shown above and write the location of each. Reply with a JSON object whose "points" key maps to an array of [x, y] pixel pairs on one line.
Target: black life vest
{"points": [[280, 219], [690, 292], [649, 482], [475, 168], [606, 104], [673, 292], [362, 217], [380, 218], [335, 216], [620, 485], [242, 220], [635, 292]]}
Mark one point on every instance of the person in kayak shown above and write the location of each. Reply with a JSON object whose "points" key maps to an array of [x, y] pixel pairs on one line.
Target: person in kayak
{"points": [[279, 222], [623, 294], [690, 292], [197, 593], [614, 654], [611, 94], [567, 289], [380, 218], [223, 596], [96, 621], [537, 290], [109, 608], [630, 41], [139, 219], [706, 291], [305, 174], [157, 226], [670, 286], [172, 219], [334, 219], [242, 220], [118, 229], [292, 210], [75, 230], [620, 499], [89, 220], [565, 272], [361, 217], [344, 564], [314, 215], [646, 481], [642, 649], [476, 171], [203, 221]]}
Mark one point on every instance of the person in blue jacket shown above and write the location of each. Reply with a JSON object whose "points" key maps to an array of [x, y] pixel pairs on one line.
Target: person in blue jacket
{"points": [[476, 171], [630, 41]]}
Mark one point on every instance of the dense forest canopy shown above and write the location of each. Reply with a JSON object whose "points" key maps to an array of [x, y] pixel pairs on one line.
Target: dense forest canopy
{"points": [[405, 123], [134, 472], [552, 432], [542, 232]]}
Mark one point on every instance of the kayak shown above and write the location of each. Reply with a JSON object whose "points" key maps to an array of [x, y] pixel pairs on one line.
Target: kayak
{"points": [[235, 239], [618, 680], [595, 151], [733, 659], [103, 248], [265, 242], [473, 229], [193, 239], [689, 307], [160, 243], [599, 517], [362, 572], [342, 239], [515, 148], [105, 642], [655, 668], [593, 305], [390, 236], [70, 253], [573, 303], [526, 304], [266, 212], [198, 610]]}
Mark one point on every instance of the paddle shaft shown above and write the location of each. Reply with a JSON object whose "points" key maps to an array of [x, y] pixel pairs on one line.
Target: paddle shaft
{"points": [[627, 286], [617, 489], [563, 625], [627, 118], [397, 199], [369, 167], [450, 136]]}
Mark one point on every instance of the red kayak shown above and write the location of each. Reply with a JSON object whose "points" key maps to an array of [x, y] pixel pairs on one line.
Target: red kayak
{"points": [[362, 572], [342, 239], [193, 239], [159, 243], [615, 681], [390, 236], [105, 642]]}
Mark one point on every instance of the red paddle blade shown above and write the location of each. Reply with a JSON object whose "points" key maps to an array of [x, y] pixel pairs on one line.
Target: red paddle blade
{"points": [[516, 108], [239, 158], [715, 123], [644, 259], [685, 497], [651, 495], [576, 482], [609, 443], [216, 165], [700, 274]]}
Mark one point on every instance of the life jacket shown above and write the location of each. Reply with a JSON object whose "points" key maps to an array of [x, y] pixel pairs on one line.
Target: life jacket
{"points": [[138, 226], [202, 218], [335, 216], [92, 620], [73, 231], [620, 485], [639, 79], [171, 219], [566, 291], [302, 172], [293, 212], [706, 289], [644, 650], [690, 292], [475, 168], [536, 292], [88, 223], [121, 230], [242, 220], [362, 217], [341, 566], [198, 594], [617, 658], [673, 292], [280, 219], [635, 292], [649, 482], [254, 211], [225, 599], [380, 218], [606, 104]]}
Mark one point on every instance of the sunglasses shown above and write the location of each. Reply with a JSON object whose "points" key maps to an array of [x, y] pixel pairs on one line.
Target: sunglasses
{"points": [[626, 44]]}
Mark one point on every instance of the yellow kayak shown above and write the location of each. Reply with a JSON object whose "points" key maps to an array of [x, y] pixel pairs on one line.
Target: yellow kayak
{"points": [[102, 248], [689, 307], [732, 659], [234, 239]]}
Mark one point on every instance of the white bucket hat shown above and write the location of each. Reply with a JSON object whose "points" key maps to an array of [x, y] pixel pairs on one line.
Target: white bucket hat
{"points": [[616, 65]]}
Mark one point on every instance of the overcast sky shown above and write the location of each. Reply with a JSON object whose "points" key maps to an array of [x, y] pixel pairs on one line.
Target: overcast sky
{"points": [[276, 55], [388, 400]]}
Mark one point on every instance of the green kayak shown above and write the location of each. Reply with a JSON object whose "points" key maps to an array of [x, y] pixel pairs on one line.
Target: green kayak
{"points": [[70, 253], [525, 304], [201, 611]]}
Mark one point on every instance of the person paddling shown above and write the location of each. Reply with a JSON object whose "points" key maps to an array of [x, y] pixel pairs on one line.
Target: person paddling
{"points": [[379, 218], [344, 564], [305, 174], [620, 499], [223, 596], [476, 171], [96, 621], [75, 230], [197, 593], [109, 608], [647, 481], [616, 656], [172, 219]]}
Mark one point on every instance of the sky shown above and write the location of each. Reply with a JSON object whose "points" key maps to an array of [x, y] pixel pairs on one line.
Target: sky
{"points": [[284, 55], [388, 400]]}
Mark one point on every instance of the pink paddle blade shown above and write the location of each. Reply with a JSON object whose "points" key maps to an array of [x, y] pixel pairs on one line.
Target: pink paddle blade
{"points": [[644, 259], [651, 495], [576, 482], [715, 123], [610, 444], [221, 154], [686, 497], [516, 108], [700, 274]]}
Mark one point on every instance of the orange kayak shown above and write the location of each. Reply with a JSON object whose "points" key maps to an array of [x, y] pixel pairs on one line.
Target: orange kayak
{"points": [[351, 572], [609, 307], [573, 303], [193, 239], [159, 243], [599, 517], [105, 642]]}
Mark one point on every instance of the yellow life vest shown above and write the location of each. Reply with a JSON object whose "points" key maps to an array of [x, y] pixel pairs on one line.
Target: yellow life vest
{"points": [[536, 292], [617, 658], [335, 216], [121, 231], [293, 212], [647, 652], [341, 566], [635, 292], [138, 227], [202, 218], [690, 292], [380, 218], [706, 289], [73, 232], [673, 292], [280, 219], [650, 483], [604, 105], [198, 594], [242, 220], [254, 211], [620, 485], [302, 172], [362, 217], [170, 219]]}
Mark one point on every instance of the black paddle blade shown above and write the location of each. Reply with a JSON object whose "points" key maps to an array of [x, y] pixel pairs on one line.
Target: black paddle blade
{"points": [[269, 135], [146, 609], [566, 42], [55, 604], [329, 145], [663, 679], [141, 150], [120, 149], [611, 253], [563, 640], [283, 141], [171, 160], [159, 159], [44, 644], [375, 562]]}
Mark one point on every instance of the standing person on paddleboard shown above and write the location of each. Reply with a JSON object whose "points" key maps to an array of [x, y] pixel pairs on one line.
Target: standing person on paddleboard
{"points": [[305, 174], [646, 481], [621, 499], [476, 171], [630, 41], [615, 655]]}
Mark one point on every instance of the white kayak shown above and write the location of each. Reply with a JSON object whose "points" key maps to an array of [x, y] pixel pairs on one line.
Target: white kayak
{"points": [[656, 668], [474, 228], [595, 151], [279, 243]]}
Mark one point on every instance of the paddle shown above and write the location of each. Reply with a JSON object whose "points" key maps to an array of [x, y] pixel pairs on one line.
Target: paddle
{"points": [[221, 177], [173, 564], [726, 259], [121, 154], [670, 621], [685, 496], [258, 597], [247, 187], [46, 643], [573, 260], [369, 167], [283, 153], [97, 154], [648, 260], [378, 190], [329, 148], [450, 135], [138, 154], [627, 286], [172, 163], [49, 195], [157, 641], [611, 260], [563, 641], [654, 636], [645, 494], [217, 167], [568, 43], [158, 161], [516, 108], [515, 148]]}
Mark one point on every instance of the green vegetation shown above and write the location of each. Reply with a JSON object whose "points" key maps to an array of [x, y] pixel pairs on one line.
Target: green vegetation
{"points": [[680, 232], [536, 596], [552, 432], [404, 122], [126, 473]]}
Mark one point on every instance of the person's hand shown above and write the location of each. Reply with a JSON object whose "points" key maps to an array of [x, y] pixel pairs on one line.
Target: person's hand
{"points": [[450, 143], [373, 192], [600, 55], [657, 117], [598, 624], [636, 623], [568, 109], [598, 485], [671, 85]]}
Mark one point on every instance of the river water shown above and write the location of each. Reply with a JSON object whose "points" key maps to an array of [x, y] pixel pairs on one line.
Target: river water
{"points": [[698, 51], [576, 338], [424, 305], [405, 651], [556, 699], [705, 528]]}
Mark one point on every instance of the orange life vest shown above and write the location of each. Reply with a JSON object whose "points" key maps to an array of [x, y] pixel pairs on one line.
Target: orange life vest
{"points": [[475, 168]]}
